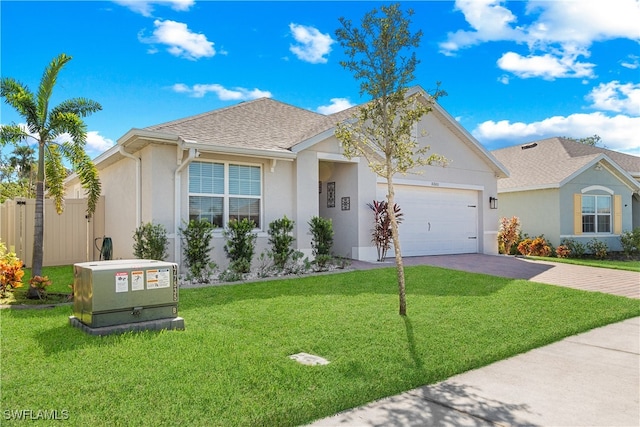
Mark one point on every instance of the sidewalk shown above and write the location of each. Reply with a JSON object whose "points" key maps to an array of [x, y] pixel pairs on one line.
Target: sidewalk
{"points": [[591, 379]]}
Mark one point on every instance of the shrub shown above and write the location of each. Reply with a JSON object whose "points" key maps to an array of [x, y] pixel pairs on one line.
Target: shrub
{"points": [[11, 271], [563, 251], [576, 249], [537, 246], [240, 245], [630, 241], [382, 234], [321, 241], [197, 248], [597, 248], [281, 240], [508, 234], [40, 284], [150, 242], [322, 235]]}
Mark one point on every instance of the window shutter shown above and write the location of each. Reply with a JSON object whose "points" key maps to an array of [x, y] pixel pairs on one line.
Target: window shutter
{"points": [[617, 214], [577, 214]]}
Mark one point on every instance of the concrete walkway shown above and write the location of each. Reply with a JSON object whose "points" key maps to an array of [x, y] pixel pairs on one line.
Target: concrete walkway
{"points": [[591, 379]]}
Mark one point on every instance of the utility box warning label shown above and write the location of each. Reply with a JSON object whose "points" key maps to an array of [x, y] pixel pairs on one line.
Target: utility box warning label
{"points": [[137, 280], [122, 282], [159, 278]]}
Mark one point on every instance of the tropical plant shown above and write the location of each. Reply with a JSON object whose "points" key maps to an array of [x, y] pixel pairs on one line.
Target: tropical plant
{"points": [[381, 56], [508, 234], [150, 242], [598, 248], [382, 235], [60, 133], [240, 244], [196, 236], [563, 251], [11, 271], [538, 246], [40, 283]]}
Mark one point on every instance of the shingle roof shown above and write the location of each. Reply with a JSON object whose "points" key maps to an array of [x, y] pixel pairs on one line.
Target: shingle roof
{"points": [[548, 162], [259, 124]]}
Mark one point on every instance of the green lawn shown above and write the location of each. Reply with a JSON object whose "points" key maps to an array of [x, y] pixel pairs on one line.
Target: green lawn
{"points": [[630, 265], [230, 366]]}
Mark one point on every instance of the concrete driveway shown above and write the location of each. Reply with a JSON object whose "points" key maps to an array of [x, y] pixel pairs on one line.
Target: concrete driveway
{"points": [[591, 379]]}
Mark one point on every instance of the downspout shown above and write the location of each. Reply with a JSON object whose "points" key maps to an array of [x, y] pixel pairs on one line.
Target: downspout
{"points": [[138, 183], [182, 163]]}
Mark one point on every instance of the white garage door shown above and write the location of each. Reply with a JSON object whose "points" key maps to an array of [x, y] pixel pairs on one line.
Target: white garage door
{"points": [[436, 220]]}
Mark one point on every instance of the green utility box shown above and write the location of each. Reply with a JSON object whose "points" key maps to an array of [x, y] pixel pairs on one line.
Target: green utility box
{"points": [[117, 292]]}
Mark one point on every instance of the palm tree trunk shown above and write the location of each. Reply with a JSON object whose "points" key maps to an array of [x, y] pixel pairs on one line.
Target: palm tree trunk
{"points": [[38, 225]]}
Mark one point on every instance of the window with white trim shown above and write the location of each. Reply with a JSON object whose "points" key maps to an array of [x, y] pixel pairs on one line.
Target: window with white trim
{"points": [[596, 214], [219, 192]]}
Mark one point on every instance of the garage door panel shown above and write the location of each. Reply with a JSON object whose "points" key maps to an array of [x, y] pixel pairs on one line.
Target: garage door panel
{"points": [[436, 220]]}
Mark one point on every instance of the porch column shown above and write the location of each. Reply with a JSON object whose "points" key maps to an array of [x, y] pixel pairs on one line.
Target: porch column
{"points": [[306, 194]]}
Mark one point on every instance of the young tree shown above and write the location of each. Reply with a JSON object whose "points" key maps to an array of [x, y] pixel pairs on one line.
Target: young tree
{"points": [[381, 57], [46, 127]]}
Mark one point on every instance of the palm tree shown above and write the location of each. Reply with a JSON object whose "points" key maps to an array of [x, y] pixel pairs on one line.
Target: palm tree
{"points": [[21, 161], [48, 127]]}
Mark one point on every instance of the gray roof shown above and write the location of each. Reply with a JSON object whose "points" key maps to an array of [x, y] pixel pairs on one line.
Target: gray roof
{"points": [[549, 162], [263, 123]]}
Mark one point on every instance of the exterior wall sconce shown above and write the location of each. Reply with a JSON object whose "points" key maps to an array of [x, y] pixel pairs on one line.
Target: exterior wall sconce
{"points": [[493, 203]]}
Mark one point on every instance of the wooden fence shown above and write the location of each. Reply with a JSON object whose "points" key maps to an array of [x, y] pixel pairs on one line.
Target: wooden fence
{"points": [[68, 238]]}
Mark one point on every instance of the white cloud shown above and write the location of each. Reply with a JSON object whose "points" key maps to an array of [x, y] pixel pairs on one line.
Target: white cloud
{"points": [[632, 62], [337, 104], [490, 22], [618, 132], [547, 66], [616, 97], [312, 45], [146, 8], [561, 32], [180, 40], [97, 143], [224, 94]]}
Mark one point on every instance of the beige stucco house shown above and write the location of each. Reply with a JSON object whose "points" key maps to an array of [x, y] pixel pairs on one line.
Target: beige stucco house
{"points": [[564, 189], [264, 159]]}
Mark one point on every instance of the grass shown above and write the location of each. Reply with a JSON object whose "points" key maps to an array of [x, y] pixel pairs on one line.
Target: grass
{"points": [[230, 365], [629, 265]]}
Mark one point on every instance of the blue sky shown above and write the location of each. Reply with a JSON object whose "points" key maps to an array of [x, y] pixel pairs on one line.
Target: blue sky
{"points": [[514, 71]]}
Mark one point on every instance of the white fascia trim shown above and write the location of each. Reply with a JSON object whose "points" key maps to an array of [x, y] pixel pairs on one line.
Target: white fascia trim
{"points": [[337, 158], [301, 146], [432, 184], [265, 154], [151, 135]]}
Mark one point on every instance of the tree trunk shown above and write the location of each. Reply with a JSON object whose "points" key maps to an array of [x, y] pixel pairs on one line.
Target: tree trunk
{"points": [[38, 225], [396, 247]]}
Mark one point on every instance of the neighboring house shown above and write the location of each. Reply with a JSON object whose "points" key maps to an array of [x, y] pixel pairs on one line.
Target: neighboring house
{"points": [[264, 159], [564, 189]]}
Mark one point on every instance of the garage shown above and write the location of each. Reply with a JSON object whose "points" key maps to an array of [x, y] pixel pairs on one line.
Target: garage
{"points": [[436, 221]]}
